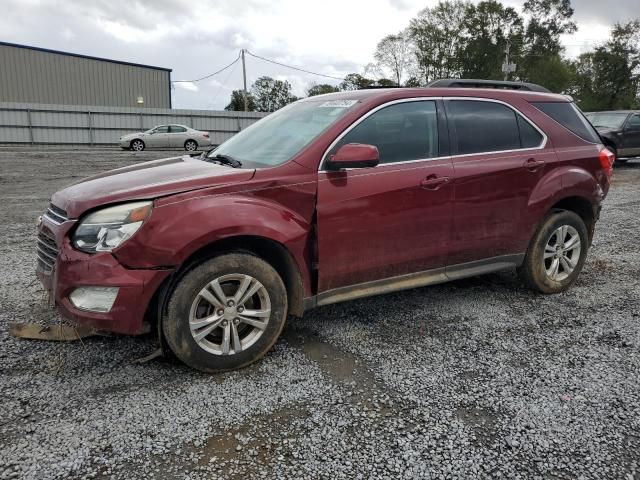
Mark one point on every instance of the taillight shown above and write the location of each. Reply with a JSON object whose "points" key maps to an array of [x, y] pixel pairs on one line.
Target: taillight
{"points": [[607, 158], [206, 135]]}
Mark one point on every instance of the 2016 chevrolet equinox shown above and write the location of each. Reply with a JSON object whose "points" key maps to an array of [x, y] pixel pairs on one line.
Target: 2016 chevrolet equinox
{"points": [[331, 198]]}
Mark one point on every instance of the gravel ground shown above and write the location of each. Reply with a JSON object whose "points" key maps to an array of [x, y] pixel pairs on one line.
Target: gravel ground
{"points": [[474, 379]]}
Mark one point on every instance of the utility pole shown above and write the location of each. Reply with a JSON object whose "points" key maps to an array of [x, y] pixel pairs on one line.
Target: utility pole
{"points": [[244, 80], [507, 66]]}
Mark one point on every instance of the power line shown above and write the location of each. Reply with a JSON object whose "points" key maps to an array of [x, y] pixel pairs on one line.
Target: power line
{"points": [[224, 82], [208, 76], [293, 68]]}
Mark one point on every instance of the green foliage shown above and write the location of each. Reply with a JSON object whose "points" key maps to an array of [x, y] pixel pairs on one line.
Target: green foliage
{"points": [[321, 89], [609, 77], [355, 81], [488, 27], [550, 71], [270, 94], [237, 102], [437, 34]]}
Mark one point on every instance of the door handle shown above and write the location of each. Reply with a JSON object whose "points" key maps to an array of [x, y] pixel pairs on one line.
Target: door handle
{"points": [[433, 182], [533, 164]]}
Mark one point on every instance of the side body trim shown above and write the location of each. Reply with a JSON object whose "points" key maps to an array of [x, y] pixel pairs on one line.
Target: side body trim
{"points": [[414, 280]]}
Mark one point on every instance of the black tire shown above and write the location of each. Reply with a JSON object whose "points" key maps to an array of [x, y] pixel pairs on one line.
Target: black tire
{"points": [[175, 323], [533, 271], [190, 145], [137, 145]]}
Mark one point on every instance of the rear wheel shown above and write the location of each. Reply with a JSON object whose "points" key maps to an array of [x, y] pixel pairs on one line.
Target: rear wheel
{"points": [[556, 253], [190, 145], [226, 313], [137, 145]]}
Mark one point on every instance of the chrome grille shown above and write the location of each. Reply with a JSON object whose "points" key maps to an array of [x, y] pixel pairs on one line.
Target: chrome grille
{"points": [[47, 252], [56, 214]]}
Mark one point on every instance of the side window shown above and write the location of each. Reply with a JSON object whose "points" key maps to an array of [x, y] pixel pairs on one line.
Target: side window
{"points": [[177, 129], [529, 136], [634, 123], [483, 126], [402, 132], [161, 129]]}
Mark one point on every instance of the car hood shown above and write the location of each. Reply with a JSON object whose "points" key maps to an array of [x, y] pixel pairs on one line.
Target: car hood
{"points": [[144, 181], [606, 130], [130, 136]]}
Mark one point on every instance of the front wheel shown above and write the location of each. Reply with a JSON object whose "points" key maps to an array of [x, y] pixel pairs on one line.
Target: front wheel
{"points": [[556, 253], [137, 145], [226, 313]]}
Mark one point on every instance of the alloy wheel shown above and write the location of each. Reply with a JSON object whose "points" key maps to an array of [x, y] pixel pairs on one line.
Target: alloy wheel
{"points": [[137, 145], [229, 314], [190, 146], [562, 253]]}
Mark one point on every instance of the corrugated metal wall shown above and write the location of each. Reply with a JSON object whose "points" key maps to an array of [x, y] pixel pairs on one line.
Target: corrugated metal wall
{"points": [[72, 124], [39, 76]]}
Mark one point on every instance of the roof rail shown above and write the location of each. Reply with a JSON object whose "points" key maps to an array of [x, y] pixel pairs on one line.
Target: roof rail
{"points": [[472, 83]]}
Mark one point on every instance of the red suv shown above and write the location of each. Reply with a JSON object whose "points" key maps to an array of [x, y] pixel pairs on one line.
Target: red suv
{"points": [[332, 198]]}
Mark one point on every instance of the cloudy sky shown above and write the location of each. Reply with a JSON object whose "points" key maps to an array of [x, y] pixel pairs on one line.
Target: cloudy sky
{"points": [[194, 38]]}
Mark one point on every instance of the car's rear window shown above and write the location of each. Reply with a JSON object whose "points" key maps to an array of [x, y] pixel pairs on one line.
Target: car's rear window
{"points": [[569, 116]]}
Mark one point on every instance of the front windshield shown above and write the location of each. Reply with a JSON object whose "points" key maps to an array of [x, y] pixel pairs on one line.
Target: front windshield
{"points": [[278, 137], [607, 120]]}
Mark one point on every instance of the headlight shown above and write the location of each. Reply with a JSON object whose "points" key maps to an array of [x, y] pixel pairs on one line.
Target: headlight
{"points": [[106, 229]]}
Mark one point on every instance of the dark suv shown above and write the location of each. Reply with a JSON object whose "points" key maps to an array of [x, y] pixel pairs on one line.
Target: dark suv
{"points": [[329, 199], [620, 131]]}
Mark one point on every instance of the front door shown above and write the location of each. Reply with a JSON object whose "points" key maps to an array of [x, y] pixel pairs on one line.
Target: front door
{"points": [[631, 137], [392, 219], [158, 138]]}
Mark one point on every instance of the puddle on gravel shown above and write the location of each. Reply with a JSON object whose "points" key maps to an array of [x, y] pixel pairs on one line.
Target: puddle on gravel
{"points": [[254, 438], [482, 422]]}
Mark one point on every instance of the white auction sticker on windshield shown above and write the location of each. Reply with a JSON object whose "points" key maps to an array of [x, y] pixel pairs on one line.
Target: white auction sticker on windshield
{"points": [[338, 104]]}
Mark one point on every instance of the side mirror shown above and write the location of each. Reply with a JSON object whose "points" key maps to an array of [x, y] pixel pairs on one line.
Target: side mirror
{"points": [[354, 155]]}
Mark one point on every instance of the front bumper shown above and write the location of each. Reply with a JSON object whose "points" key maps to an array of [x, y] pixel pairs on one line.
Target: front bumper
{"points": [[72, 269]]}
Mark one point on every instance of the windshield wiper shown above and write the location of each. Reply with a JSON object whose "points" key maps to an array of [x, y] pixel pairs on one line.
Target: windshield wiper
{"points": [[227, 160]]}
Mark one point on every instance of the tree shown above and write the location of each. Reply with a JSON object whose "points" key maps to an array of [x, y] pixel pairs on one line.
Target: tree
{"points": [[320, 89], [394, 54], [608, 78], [237, 102], [488, 28], [548, 20], [270, 94], [355, 81], [437, 37], [542, 61]]}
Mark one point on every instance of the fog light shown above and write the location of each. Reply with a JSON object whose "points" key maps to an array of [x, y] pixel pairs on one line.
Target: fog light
{"points": [[94, 299]]}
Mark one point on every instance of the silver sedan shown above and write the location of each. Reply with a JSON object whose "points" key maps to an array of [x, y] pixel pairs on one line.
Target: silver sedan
{"points": [[166, 136]]}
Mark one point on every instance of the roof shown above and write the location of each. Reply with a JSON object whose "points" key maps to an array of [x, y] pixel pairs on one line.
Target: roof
{"points": [[626, 112], [407, 92], [480, 83], [69, 54]]}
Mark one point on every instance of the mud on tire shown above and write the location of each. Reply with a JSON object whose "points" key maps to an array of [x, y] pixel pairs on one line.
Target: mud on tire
{"points": [[190, 304]]}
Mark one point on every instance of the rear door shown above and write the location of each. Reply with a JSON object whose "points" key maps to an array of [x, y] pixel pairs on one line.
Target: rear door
{"points": [[177, 135], [392, 219], [498, 158], [159, 137], [631, 136]]}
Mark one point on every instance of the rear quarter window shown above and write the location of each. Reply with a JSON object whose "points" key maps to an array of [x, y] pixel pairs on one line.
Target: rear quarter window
{"points": [[570, 117]]}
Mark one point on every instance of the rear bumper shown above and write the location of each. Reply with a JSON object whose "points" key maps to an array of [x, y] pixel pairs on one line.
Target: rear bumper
{"points": [[73, 269]]}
